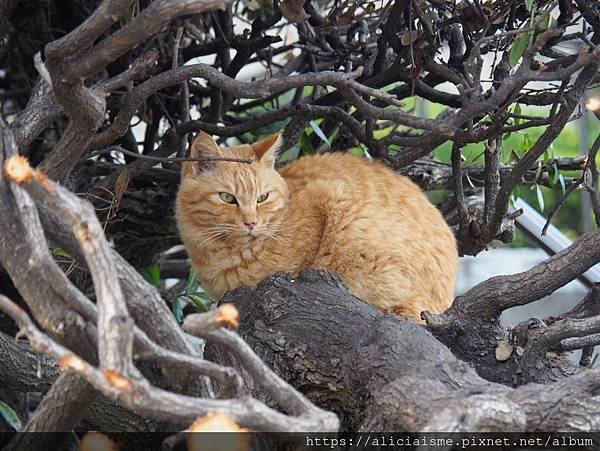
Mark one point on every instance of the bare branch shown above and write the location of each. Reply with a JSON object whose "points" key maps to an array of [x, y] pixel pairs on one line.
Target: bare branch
{"points": [[151, 20], [91, 29], [114, 323], [39, 113], [139, 395], [285, 395], [200, 324], [492, 297]]}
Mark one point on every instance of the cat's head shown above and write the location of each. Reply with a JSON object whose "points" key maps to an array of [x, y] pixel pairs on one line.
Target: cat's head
{"points": [[239, 201]]}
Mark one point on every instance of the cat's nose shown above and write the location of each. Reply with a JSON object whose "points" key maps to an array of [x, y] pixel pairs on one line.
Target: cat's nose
{"points": [[250, 224]]}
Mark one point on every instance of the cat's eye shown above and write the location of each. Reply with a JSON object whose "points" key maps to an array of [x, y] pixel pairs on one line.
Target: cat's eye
{"points": [[262, 198], [229, 198]]}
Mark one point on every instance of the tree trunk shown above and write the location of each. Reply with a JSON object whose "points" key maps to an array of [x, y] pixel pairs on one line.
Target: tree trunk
{"points": [[381, 372]]}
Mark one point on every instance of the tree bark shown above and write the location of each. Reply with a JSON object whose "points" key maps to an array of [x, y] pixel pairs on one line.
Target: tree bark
{"points": [[381, 372]]}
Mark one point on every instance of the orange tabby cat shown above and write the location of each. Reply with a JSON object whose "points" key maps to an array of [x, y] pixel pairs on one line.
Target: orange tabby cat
{"points": [[241, 222]]}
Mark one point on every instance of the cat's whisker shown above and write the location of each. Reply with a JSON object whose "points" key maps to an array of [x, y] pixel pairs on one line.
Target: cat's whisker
{"points": [[202, 236], [229, 228], [213, 236], [216, 227], [272, 234]]}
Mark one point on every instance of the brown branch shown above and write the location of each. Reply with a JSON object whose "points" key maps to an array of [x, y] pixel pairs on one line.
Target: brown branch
{"points": [[145, 348], [86, 107], [137, 69], [117, 385], [137, 394], [464, 218], [249, 90], [91, 29], [23, 369], [433, 175], [39, 113], [572, 344], [150, 21], [493, 150], [283, 393], [490, 298], [555, 209], [21, 227], [440, 127], [405, 387], [594, 188], [114, 323], [563, 333]]}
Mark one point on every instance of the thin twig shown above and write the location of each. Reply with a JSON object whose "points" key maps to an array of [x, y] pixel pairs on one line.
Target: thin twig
{"points": [[163, 159]]}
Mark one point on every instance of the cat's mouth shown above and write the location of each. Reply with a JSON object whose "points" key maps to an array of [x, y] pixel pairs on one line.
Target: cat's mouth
{"points": [[244, 232], [251, 234]]}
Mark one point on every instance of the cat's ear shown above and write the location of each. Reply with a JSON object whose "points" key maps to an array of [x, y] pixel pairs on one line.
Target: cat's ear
{"points": [[203, 146], [266, 150]]}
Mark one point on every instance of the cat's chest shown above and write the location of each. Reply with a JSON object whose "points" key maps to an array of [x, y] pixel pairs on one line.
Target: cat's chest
{"points": [[225, 269], [224, 260]]}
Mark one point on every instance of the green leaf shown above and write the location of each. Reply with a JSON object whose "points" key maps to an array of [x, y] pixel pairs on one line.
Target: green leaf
{"points": [[192, 284], [517, 192], [538, 170], [527, 143], [540, 197], [200, 300], [306, 147], [320, 133], [477, 157], [273, 127], [10, 416], [366, 152], [517, 111], [518, 48], [357, 151], [177, 309], [555, 173], [529, 5], [152, 275], [291, 154], [127, 14], [60, 252]]}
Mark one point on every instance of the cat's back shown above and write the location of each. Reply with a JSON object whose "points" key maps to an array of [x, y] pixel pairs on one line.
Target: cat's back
{"points": [[331, 165], [381, 232], [343, 176]]}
